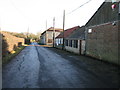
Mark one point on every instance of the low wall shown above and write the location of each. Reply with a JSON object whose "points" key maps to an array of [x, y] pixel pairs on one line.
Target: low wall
{"points": [[71, 49], [9, 42]]}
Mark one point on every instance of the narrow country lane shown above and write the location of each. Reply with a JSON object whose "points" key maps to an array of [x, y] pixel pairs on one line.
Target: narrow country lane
{"points": [[41, 67], [23, 70]]}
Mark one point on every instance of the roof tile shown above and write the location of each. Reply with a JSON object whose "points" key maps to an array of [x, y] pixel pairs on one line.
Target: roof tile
{"points": [[67, 32]]}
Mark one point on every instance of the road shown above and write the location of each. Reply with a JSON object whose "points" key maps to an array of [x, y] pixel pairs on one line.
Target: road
{"points": [[45, 67]]}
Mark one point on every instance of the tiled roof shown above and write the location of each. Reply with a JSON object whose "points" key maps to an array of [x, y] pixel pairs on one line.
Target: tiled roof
{"points": [[78, 34], [51, 29], [57, 29], [67, 32]]}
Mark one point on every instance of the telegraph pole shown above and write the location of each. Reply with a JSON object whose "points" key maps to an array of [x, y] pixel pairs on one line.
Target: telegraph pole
{"points": [[0, 30], [0, 25], [46, 24], [63, 29], [27, 32], [54, 32]]}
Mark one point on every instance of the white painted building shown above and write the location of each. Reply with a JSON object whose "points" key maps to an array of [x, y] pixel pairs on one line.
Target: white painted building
{"points": [[59, 38], [76, 41], [47, 36]]}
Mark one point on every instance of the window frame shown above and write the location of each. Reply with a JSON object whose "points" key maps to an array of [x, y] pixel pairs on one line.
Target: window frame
{"points": [[66, 43], [70, 43], [75, 44]]}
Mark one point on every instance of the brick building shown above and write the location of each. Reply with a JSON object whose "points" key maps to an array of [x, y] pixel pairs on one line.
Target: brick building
{"points": [[102, 33]]}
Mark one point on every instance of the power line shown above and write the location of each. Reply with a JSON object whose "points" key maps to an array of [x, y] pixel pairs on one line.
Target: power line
{"points": [[22, 15], [74, 9], [79, 7], [19, 11]]}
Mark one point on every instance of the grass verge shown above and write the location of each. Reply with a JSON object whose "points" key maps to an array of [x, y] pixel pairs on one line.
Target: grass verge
{"points": [[8, 57]]}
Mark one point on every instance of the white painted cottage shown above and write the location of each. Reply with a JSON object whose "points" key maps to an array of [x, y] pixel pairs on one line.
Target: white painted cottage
{"points": [[75, 42], [59, 38]]}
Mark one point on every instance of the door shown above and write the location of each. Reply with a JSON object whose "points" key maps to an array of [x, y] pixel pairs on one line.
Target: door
{"points": [[80, 43]]}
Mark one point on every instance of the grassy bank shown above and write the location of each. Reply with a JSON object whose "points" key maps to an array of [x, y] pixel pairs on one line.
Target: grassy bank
{"points": [[8, 57]]}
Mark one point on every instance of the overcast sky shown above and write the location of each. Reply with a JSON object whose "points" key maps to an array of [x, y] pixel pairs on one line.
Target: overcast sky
{"points": [[18, 15]]}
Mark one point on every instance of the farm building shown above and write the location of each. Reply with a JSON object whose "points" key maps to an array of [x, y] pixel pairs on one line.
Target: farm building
{"points": [[102, 33], [76, 41], [59, 38]]}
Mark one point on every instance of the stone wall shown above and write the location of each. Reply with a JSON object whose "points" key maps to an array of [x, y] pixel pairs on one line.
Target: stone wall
{"points": [[102, 42], [9, 42]]}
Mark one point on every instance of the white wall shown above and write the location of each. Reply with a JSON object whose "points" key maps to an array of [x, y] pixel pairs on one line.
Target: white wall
{"points": [[50, 35], [76, 50], [43, 41], [72, 49], [83, 47]]}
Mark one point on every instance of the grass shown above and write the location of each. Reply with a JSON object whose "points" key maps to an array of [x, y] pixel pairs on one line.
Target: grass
{"points": [[12, 54]]}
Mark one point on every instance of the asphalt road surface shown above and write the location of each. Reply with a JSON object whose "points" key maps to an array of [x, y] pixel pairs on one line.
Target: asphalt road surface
{"points": [[45, 67]]}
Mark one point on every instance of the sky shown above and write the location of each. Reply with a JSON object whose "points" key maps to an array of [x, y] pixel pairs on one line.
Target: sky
{"points": [[19, 15]]}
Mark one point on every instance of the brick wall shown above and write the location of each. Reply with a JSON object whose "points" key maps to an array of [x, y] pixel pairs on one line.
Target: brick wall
{"points": [[9, 42], [102, 43]]}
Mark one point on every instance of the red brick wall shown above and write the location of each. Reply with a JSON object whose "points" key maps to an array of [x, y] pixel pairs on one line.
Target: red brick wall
{"points": [[102, 43]]}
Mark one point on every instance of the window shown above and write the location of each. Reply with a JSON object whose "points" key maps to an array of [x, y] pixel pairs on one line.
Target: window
{"points": [[75, 43], [61, 41], [66, 42], [49, 40], [58, 41], [70, 43], [89, 30]]}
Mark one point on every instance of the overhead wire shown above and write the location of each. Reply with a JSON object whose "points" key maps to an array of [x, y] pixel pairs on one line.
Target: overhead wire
{"points": [[75, 9], [56, 17], [19, 11], [79, 7]]}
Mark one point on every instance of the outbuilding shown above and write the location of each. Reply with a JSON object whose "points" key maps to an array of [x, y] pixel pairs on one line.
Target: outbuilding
{"points": [[102, 33], [59, 39], [75, 42]]}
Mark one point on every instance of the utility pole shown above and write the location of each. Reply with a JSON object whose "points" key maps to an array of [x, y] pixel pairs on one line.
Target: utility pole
{"points": [[27, 32], [0, 30], [46, 24], [54, 32], [63, 29], [0, 25]]}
